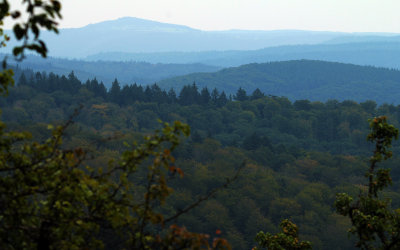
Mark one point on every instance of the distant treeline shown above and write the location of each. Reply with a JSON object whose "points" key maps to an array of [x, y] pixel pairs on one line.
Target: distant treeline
{"points": [[129, 94], [106, 71]]}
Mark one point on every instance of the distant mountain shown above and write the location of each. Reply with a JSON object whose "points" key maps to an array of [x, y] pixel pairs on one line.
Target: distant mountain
{"points": [[132, 35], [125, 72], [132, 24], [302, 79], [365, 38], [378, 53]]}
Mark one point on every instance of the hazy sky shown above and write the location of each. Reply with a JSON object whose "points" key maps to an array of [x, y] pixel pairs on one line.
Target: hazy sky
{"points": [[332, 15]]}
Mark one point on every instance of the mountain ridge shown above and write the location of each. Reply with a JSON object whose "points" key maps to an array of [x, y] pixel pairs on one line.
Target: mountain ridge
{"points": [[379, 54], [133, 35], [134, 23]]}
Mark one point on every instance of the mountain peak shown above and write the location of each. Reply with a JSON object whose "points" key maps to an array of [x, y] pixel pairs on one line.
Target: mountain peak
{"points": [[138, 24]]}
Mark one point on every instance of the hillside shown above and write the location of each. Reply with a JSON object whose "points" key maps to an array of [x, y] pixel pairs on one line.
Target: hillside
{"points": [[379, 51], [302, 79], [107, 71]]}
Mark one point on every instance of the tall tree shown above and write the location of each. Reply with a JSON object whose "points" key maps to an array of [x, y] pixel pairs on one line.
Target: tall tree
{"points": [[172, 96], [189, 95], [257, 94], [22, 80], [205, 96], [241, 95], [115, 92], [214, 96], [222, 100], [376, 225]]}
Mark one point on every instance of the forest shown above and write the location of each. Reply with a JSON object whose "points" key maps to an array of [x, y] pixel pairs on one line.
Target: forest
{"points": [[299, 154], [243, 158]]}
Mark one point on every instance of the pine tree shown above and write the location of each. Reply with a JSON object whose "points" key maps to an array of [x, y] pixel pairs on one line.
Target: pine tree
{"points": [[241, 95]]}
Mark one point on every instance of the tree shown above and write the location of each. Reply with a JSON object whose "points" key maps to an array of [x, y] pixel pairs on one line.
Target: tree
{"points": [[189, 95], [241, 95], [205, 96], [214, 96], [172, 96], [22, 80], [257, 94], [376, 225], [288, 239], [302, 105], [115, 92], [222, 100]]}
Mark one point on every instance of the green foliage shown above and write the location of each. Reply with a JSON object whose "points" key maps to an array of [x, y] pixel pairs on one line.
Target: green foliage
{"points": [[51, 200], [41, 14], [288, 239], [376, 225], [6, 80]]}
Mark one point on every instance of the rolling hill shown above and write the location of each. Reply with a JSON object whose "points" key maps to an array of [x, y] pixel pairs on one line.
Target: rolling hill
{"points": [[302, 79], [106, 71], [376, 53]]}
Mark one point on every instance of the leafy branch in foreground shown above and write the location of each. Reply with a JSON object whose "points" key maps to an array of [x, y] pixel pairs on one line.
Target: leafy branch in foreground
{"points": [[41, 15], [48, 200], [288, 239], [376, 225]]}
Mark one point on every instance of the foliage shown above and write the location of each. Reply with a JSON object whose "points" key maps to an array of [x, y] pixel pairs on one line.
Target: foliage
{"points": [[49, 201], [288, 239], [41, 14], [376, 225]]}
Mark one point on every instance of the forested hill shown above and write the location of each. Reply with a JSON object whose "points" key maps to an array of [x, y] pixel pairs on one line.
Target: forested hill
{"points": [[302, 79], [371, 52], [106, 71]]}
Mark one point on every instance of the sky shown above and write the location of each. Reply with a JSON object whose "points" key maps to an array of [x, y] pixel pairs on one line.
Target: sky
{"points": [[320, 15]]}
